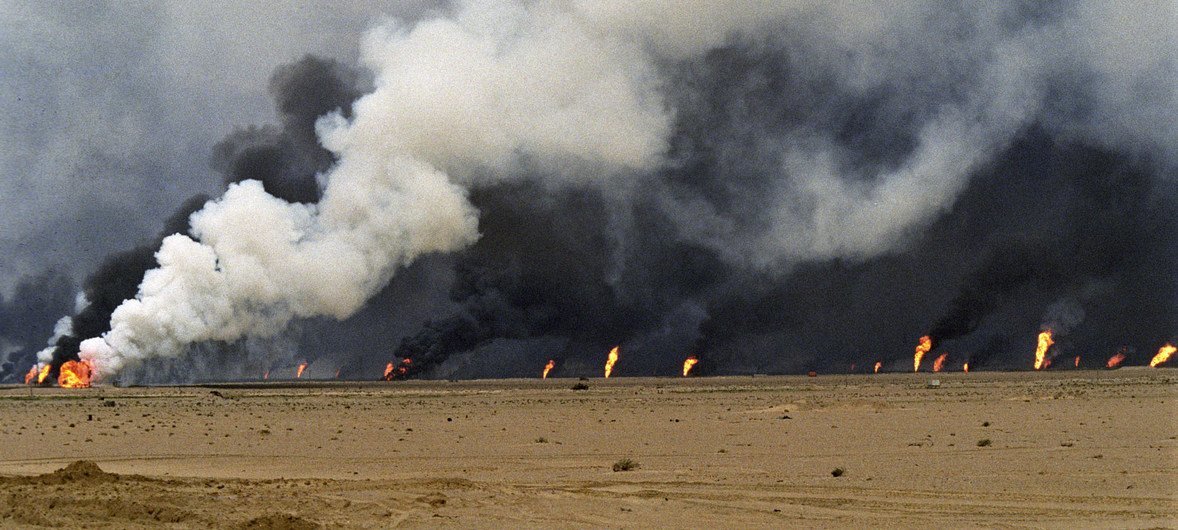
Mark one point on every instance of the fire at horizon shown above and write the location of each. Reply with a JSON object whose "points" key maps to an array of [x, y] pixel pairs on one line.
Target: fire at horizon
{"points": [[939, 362], [75, 374], [81, 374], [1116, 359], [1163, 355], [925, 344], [1045, 342], [391, 370], [610, 361]]}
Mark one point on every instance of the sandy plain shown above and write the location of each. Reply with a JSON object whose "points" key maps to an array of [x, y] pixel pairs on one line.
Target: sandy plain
{"points": [[1067, 449]]}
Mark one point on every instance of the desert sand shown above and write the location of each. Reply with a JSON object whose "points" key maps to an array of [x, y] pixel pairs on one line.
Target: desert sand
{"points": [[1066, 449]]}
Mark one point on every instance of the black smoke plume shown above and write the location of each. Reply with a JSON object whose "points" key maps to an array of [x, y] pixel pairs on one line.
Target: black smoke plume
{"points": [[286, 159], [568, 276], [116, 279], [35, 305], [821, 201]]}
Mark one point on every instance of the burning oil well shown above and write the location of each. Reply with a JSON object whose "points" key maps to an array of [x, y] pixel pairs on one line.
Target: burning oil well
{"points": [[772, 188]]}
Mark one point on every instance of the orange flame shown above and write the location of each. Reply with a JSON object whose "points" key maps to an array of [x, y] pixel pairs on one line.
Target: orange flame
{"points": [[302, 366], [1117, 359], [548, 368], [44, 373], [965, 367], [939, 363], [337, 371], [926, 344], [266, 374], [1077, 363], [1163, 355], [610, 361], [878, 365], [688, 364], [1045, 342], [29, 377], [391, 371], [75, 374]]}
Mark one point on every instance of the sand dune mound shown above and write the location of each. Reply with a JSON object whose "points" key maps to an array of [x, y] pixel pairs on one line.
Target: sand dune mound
{"points": [[79, 471]]}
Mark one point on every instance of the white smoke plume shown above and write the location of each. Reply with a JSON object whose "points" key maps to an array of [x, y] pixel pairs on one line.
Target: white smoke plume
{"points": [[455, 100], [575, 90]]}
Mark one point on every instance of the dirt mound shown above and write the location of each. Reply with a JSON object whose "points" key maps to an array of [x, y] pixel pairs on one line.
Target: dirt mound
{"points": [[279, 521], [79, 471]]}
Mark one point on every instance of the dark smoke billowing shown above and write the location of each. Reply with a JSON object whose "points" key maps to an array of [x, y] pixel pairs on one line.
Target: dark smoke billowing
{"points": [[780, 189], [116, 279], [35, 305], [287, 159]]}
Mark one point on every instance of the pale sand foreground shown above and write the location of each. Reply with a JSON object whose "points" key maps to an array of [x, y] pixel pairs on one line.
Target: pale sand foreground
{"points": [[1067, 449]]}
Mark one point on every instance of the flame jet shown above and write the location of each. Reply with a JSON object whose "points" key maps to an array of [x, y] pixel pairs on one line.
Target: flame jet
{"points": [[926, 344], [939, 363], [688, 364], [1045, 342], [299, 372], [610, 361], [1116, 359], [548, 368], [1163, 355], [878, 365]]}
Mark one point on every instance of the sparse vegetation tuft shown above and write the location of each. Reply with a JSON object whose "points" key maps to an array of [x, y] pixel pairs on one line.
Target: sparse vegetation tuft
{"points": [[625, 464], [580, 386], [984, 442], [837, 472]]}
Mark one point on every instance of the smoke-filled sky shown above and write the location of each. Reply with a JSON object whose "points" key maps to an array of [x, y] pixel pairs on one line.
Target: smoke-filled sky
{"points": [[109, 110], [771, 186]]}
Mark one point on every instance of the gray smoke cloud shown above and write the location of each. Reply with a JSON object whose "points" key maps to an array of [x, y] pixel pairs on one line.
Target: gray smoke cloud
{"points": [[108, 110], [756, 148], [961, 82], [458, 95]]}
